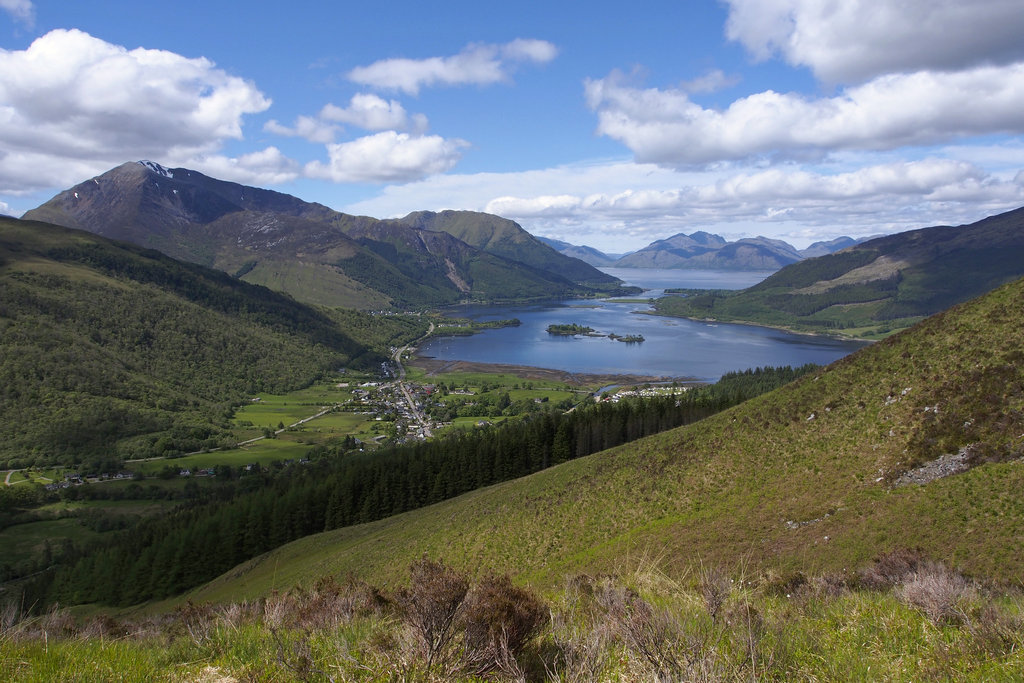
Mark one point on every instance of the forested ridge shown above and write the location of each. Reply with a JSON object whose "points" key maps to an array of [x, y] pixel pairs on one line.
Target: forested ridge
{"points": [[340, 486], [111, 351]]}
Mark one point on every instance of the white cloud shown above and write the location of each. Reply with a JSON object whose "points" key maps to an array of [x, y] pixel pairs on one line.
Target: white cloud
{"points": [[529, 50], [478, 64], [265, 167], [854, 40], [5, 209], [21, 10], [387, 157], [620, 206], [312, 129], [665, 126], [712, 81], [370, 112], [366, 111], [73, 104], [531, 207]]}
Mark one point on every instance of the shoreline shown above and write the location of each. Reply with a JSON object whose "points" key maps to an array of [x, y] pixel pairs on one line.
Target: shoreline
{"points": [[782, 328], [435, 366]]}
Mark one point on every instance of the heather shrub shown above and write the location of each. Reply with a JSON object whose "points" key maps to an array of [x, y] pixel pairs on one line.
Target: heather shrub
{"points": [[650, 634], [937, 591], [498, 620], [714, 588], [891, 568], [430, 605], [579, 652]]}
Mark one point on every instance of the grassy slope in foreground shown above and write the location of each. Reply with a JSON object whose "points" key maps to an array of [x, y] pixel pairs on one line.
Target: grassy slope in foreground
{"points": [[798, 479]]}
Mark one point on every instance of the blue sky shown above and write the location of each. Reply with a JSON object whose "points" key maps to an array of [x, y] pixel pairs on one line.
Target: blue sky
{"points": [[603, 124]]}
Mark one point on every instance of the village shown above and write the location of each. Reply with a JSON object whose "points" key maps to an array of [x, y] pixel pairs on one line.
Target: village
{"points": [[395, 410]]}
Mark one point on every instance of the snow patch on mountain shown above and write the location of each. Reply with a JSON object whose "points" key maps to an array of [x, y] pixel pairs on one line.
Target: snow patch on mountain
{"points": [[157, 168]]}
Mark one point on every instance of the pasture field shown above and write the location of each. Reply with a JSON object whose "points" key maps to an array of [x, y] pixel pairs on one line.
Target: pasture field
{"points": [[23, 542]]}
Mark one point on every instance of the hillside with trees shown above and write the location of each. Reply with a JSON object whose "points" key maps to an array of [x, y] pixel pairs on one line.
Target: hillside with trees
{"points": [[110, 351]]}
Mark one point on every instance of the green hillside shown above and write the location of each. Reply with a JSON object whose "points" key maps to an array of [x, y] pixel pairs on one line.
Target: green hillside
{"points": [[801, 479], [505, 238], [110, 351], [875, 287]]}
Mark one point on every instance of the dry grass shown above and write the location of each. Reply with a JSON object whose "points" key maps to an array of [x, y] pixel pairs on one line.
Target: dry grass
{"points": [[931, 624]]}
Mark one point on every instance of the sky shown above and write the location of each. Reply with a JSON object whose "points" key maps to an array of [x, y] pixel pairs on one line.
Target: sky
{"points": [[602, 124]]}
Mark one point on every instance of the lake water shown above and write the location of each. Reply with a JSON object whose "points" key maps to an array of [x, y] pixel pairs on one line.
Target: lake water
{"points": [[672, 347]]}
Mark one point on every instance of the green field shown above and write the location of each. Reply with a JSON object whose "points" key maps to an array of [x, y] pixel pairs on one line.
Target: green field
{"points": [[270, 412], [25, 541], [238, 457], [473, 422], [272, 409], [35, 475], [123, 507], [497, 383]]}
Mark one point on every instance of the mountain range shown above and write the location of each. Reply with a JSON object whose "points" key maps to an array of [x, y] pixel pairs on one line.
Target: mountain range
{"points": [[314, 253], [707, 251], [872, 288]]}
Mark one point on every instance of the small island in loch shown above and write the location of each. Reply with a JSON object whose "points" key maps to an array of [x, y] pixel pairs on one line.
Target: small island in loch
{"points": [[572, 329], [569, 329]]}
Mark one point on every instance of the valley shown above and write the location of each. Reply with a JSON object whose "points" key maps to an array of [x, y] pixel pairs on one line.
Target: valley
{"points": [[175, 435]]}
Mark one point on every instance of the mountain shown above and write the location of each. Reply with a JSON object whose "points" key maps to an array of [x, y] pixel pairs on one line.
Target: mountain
{"points": [[877, 286], [704, 250], [502, 237], [913, 442], [308, 250], [109, 350], [829, 247], [596, 258]]}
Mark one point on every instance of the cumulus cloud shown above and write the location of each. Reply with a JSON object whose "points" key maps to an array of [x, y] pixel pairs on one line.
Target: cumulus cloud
{"points": [[22, 10], [758, 194], [619, 206], [72, 102], [531, 207], [308, 127], [366, 111], [922, 108], [477, 64], [388, 157], [858, 39], [712, 81], [370, 112], [264, 167]]}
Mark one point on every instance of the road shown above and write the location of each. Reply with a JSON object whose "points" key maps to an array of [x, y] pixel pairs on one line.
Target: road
{"points": [[413, 410]]}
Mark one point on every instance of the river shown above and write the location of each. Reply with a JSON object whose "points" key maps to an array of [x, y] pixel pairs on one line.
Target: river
{"points": [[672, 347]]}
